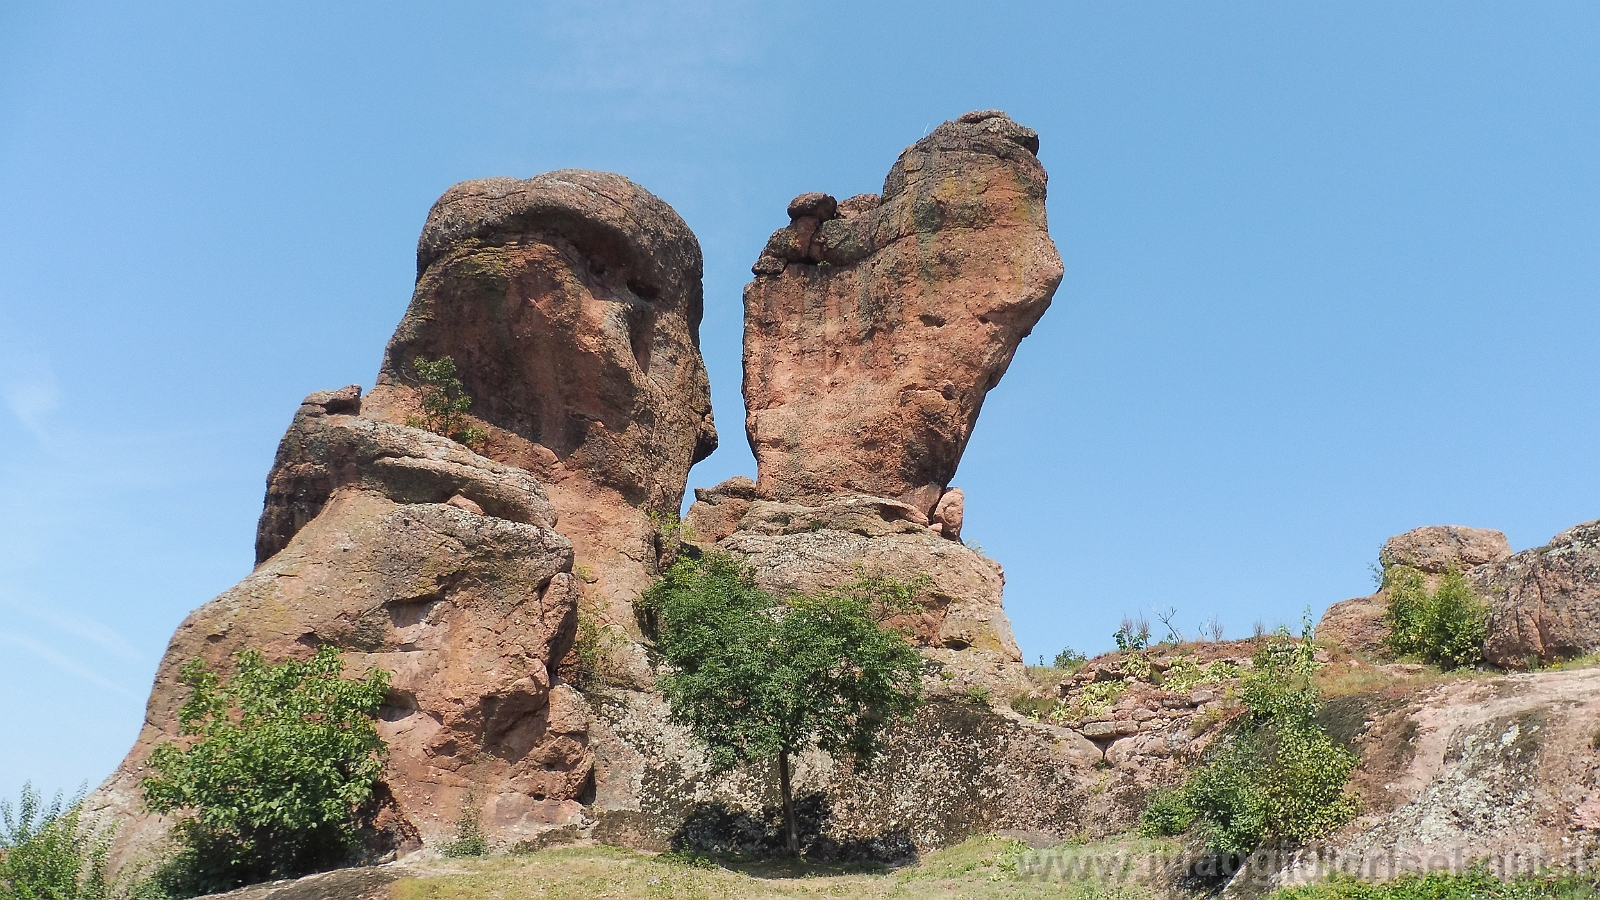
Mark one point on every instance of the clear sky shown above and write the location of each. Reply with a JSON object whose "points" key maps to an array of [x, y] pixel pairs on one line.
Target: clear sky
{"points": [[1332, 274]]}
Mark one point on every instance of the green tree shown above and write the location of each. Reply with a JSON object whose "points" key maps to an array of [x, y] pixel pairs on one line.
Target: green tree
{"points": [[754, 678], [47, 853], [445, 402], [277, 762]]}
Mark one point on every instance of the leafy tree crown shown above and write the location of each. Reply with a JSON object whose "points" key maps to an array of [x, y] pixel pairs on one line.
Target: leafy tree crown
{"points": [[275, 762], [753, 677]]}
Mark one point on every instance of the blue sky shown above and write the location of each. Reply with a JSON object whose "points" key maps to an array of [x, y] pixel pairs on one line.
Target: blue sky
{"points": [[1331, 274]]}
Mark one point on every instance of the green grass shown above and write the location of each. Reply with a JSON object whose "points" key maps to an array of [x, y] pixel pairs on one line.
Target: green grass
{"points": [[981, 868], [1473, 885]]}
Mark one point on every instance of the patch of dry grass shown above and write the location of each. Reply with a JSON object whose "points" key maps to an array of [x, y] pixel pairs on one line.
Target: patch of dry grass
{"points": [[982, 868]]}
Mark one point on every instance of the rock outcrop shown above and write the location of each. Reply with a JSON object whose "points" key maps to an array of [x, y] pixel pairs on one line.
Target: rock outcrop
{"points": [[1503, 770], [419, 557], [873, 330], [1358, 624], [1544, 603], [571, 304], [875, 327]]}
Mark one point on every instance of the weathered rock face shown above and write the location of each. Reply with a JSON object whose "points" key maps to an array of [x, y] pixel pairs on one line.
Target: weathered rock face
{"points": [[1545, 602], [1502, 769], [374, 546], [960, 625], [874, 327], [571, 304]]}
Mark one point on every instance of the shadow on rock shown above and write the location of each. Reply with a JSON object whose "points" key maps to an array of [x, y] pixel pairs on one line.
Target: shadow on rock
{"points": [[718, 828]]}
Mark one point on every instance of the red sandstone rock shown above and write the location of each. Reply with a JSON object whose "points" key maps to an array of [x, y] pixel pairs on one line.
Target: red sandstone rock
{"points": [[1544, 603], [571, 305], [419, 557], [874, 328]]}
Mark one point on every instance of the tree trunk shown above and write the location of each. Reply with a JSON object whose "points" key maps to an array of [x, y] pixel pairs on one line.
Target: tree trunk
{"points": [[788, 803]]}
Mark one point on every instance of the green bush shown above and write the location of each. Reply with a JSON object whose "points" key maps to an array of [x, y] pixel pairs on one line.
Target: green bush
{"points": [[754, 678], [47, 853], [1475, 884], [1070, 660], [1275, 774], [276, 762], [1446, 626], [445, 402]]}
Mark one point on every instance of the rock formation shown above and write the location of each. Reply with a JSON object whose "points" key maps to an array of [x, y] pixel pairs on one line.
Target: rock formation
{"points": [[1544, 603], [440, 566], [873, 330], [1358, 624], [571, 304], [874, 327]]}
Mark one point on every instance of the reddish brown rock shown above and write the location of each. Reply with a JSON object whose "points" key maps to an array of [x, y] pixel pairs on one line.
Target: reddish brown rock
{"points": [[571, 304], [716, 511], [419, 557], [949, 514], [874, 328], [1545, 602], [1437, 549]]}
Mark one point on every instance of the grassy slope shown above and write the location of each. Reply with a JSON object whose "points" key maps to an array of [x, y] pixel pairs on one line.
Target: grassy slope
{"points": [[980, 868]]}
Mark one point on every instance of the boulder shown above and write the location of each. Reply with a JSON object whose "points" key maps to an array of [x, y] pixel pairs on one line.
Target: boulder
{"points": [[716, 511], [875, 327], [571, 304], [1437, 549], [368, 548], [1544, 603]]}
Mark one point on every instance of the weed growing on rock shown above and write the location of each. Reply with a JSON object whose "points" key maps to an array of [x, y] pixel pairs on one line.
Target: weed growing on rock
{"points": [[280, 759], [1446, 626], [445, 402], [1133, 635], [754, 678], [48, 852], [1276, 774], [1092, 699], [1185, 674], [470, 839]]}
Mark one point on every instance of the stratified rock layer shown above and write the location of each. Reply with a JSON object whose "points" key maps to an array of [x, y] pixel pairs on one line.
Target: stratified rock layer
{"points": [[874, 327], [421, 558], [571, 305]]}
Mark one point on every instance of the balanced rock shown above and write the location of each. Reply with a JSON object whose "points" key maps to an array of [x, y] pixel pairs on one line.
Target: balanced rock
{"points": [[440, 566], [875, 327], [1437, 549], [571, 305]]}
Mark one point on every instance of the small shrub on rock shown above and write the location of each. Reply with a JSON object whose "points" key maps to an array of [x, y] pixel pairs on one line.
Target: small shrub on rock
{"points": [[1275, 775], [470, 839], [274, 763], [445, 402], [1446, 626]]}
